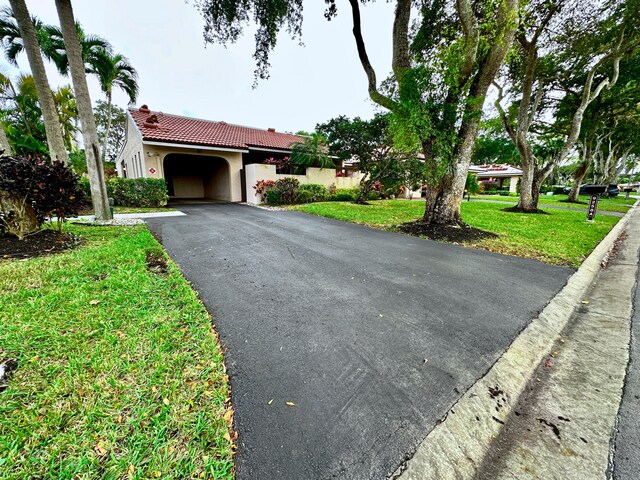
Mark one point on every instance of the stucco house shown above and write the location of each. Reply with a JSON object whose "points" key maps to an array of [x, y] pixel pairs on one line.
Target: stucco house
{"points": [[498, 173], [198, 158], [207, 159]]}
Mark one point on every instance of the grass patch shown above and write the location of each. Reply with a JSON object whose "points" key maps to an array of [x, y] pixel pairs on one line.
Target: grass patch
{"points": [[613, 204], [119, 374], [563, 237]]}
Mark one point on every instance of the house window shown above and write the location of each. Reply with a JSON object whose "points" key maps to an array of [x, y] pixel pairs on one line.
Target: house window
{"points": [[123, 167]]}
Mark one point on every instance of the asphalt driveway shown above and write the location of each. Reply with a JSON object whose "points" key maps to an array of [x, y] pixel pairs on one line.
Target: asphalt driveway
{"points": [[372, 335]]}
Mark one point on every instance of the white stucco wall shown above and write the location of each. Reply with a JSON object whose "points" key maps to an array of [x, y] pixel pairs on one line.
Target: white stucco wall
{"points": [[322, 176], [132, 153]]}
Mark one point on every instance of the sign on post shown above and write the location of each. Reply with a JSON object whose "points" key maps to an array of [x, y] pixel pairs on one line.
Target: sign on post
{"points": [[595, 191], [593, 207]]}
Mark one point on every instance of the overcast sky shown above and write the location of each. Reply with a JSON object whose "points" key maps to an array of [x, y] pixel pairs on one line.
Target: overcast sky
{"points": [[178, 74]]}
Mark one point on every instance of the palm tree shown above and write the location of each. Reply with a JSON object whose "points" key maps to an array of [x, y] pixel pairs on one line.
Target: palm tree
{"points": [[85, 111], [113, 71], [32, 48], [50, 40], [311, 153]]}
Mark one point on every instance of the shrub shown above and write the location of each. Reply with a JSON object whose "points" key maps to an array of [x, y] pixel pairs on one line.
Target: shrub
{"points": [[487, 186], [558, 189], [332, 189], [288, 189], [343, 197], [471, 185], [374, 195], [18, 181], [274, 197], [32, 190], [304, 196], [138, 192], [132, 192], [59, 194], [317, 192], [262, 186]]}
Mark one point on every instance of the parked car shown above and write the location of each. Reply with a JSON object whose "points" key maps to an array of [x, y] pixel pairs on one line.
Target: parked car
{"points": [[612, 190]]}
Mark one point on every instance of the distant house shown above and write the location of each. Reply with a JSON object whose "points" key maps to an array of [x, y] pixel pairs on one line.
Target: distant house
{"points": [[197, 158], [498, 173]]}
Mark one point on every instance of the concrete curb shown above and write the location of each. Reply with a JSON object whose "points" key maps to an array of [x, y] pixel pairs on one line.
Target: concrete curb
{"points": [[456, 447]]}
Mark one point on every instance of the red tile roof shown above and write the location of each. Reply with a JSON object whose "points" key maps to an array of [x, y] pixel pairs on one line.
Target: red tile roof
{"points": [[193, 131]]}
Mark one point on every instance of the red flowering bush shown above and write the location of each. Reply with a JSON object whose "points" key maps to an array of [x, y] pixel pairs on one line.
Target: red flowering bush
{"points": [[263, 186]]}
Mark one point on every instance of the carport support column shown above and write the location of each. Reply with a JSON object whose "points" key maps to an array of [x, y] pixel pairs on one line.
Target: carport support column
{"points": [[513, 184]]}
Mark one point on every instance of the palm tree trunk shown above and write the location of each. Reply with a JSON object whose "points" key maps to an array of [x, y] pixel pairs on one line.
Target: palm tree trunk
{"points": [[4, 142], [108, 131], [85, 111], [45, 98]]}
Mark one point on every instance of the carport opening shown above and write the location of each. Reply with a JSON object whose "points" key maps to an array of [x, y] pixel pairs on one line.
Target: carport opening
{"points": [[197, 177]]}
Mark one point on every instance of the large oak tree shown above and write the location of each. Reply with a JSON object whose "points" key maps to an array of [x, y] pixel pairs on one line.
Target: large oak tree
{"points": [[441, 72]]}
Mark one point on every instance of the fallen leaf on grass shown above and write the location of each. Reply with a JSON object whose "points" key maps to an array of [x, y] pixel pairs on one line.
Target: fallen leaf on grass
{"points": [[132, 469], [99, 449], [227, 437], [291, 404], [165, 401], [94, 302]]}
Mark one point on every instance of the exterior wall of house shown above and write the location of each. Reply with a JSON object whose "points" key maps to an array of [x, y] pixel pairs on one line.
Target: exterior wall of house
{"points": [[322, 176], [513, 183], [132, 154], [215, 186]]}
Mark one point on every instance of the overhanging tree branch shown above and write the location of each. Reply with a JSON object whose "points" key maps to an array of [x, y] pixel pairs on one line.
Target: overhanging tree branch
{"points": [[375, 95]]}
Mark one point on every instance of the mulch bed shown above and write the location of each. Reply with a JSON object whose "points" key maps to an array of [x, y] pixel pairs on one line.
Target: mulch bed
{"points": [[44, 242], [517, 209], [448, 233]]}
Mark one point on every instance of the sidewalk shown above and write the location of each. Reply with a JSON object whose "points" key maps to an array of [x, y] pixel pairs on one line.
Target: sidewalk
{"points": [[570, 421]]}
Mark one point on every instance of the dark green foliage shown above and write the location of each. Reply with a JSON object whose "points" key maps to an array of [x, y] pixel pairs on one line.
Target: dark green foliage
{"points": [[288, 189], [343, 197], [368, 142], [118, 128], [274, 197], [32, 190], [134, 192], [59, 193], [472, 183], [374, 195], [225, 21], [314, 192], [304, 196]]}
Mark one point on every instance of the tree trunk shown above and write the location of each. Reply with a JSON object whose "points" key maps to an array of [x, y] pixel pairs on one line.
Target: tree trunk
{"points": [[578, 178], [108, 130], [24, 219], [85, 111], [4, 142], [52, 127]]}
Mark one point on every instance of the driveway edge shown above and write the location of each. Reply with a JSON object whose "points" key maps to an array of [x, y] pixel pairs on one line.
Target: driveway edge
{"points": [[456, 447]]}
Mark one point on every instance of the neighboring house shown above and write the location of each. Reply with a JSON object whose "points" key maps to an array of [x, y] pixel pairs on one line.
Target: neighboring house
{"points": [[498, 173]]}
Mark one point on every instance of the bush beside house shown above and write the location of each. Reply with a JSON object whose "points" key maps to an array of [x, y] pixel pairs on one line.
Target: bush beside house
{"points": [[288, 191], [33, 190], [135, 192]]}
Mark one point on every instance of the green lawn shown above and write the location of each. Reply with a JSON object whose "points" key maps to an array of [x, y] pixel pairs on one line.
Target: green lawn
{"points": [[614, 204], [120, 374], [562, 237]]}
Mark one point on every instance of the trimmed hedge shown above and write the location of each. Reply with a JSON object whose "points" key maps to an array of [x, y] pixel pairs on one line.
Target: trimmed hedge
{"points": [[133, 192]]}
